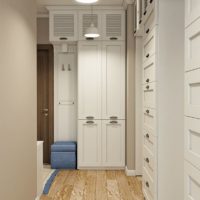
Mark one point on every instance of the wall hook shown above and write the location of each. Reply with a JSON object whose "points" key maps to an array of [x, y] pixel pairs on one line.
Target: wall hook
{"points": [[63, 67]]}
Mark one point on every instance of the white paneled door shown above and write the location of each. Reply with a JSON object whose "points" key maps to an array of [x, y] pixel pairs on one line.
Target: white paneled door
{"points": [[113, 86], [89, 80], [113, 141], [89, 143]]}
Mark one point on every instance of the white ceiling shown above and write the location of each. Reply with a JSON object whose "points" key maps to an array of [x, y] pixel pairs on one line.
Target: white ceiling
{"points": [[43, 3]]}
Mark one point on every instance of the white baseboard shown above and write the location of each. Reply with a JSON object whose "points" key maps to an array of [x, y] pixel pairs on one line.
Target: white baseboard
{"points": [[132, 172]]}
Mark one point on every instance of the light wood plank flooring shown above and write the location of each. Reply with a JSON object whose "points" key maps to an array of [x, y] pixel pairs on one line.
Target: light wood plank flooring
{"points": [[94, 185]]}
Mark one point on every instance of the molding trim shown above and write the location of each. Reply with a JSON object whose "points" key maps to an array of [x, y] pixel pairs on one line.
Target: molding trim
{"points": [[132, 172], [127, 2]]}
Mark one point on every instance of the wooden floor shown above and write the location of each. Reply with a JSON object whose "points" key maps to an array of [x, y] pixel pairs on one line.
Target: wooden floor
{"points": [[94, 185]]}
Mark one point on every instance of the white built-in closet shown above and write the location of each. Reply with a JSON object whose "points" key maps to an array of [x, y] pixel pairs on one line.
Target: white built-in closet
{"points": [[90, 83], [192, 100], [159, 27]]}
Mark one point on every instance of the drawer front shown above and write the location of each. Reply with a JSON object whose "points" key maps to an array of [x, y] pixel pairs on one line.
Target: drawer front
{"points": [[149, 45], [192, 11], [192, 141], [149, 95], [149, 138], [148, 183], [149, 162], [149, 118], [146, 195], [192, 46], [192, 182], [192, 94], [149, 70], [149, 24]]}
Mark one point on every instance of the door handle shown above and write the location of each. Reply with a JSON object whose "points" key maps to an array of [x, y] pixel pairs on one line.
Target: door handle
{"points": [[113, 117], [147, 160], [90, 117], [113, 122], [90, 122]]}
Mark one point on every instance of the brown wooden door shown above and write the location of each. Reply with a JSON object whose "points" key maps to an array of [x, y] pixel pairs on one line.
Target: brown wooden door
{"points": [[45, 96]]}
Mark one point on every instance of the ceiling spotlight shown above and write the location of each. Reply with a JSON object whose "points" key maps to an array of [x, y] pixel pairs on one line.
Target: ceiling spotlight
{"points": [[87, 1]]}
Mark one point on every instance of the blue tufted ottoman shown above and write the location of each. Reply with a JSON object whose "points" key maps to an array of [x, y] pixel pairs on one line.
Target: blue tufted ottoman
{"points": [[63, 155]]}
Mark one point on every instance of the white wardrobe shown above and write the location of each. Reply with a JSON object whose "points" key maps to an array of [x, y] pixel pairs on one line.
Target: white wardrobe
{"points": [[101, 108], [99, 122], [160, 24], [192, 100]]}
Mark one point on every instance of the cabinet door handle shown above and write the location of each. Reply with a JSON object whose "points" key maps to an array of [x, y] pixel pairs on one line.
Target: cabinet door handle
{"points": [[113, 117], [114, 122], [148, 80], [147, 160], [90, 117], [147, 55], [113, 38], [147, 111], [63, 38], [147, 184], [147, 136], [151, 1], [147, 31], [140, 21], [90, 122], [145, 12], [147, 87]]}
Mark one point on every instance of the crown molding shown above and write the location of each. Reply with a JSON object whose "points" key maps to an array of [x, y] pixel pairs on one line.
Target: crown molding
{"points": [[127, 2]]}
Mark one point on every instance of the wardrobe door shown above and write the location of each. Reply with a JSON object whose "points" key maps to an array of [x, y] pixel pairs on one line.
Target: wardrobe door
{"points": [[89, 143], [113, 25], [89, 80], [113, 143], [113, 85], [85, 20]]}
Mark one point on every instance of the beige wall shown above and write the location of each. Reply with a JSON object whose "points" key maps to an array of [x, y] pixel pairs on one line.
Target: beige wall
{"points": [[43, 30], [17, 100], [130, 102]]}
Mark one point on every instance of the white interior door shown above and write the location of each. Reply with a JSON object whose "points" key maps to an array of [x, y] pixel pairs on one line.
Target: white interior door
{"points": [[89, 143], [113, 94], [113, 143], [67, 96], [89, 80]]}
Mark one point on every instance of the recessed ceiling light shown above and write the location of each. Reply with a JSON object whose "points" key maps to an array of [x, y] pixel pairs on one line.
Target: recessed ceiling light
{"points": [[87, 1]]}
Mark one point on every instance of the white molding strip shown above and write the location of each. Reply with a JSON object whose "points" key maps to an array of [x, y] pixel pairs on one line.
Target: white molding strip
{"points": [[132, 172]]}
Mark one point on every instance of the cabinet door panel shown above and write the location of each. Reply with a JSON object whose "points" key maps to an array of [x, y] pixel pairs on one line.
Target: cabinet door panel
{"points": [[113, 94], [89, 80], [192, 11], [113, 143], [192, 94], [63, 26], [114, 25], [192, 46], [192, 141], [85, 20], [89, 143], [192, 182]]}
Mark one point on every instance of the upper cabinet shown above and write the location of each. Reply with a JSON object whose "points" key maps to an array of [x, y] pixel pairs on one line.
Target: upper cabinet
{"points": [[113, 25], [192, 11], [70, 24], [85, 20], [63, 26]]}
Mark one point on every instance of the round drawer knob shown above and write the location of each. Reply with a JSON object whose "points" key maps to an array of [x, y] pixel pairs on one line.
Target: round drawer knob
{"points": [[147, 111], [147, 160], [147, 184], [147, 136]]}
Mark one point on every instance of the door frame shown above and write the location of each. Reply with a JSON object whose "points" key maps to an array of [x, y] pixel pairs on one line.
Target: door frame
{"points": [[50, 50]]}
